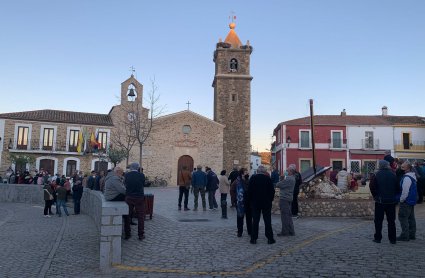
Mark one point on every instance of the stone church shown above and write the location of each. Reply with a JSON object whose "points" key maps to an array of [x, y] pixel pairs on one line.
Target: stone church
{"points": [[182, 138]]}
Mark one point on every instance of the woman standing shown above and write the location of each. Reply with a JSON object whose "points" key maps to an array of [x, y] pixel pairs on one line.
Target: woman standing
{"points": [[238, 190], [48, 200], [223, 187]]}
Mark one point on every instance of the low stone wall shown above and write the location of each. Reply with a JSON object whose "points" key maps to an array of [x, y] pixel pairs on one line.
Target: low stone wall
{"points": [[332, 207], [21, 193], [108, 219]]}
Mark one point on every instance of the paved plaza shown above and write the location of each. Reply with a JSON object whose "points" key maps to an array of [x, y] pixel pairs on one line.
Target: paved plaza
{"points": [[33, 246]]}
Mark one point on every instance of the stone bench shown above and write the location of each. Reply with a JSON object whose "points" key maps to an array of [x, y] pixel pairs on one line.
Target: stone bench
{"points": [[108, 219]]}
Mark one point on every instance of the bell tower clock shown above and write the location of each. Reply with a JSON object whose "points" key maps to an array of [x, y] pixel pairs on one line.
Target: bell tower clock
{"points": [[232, 98]]}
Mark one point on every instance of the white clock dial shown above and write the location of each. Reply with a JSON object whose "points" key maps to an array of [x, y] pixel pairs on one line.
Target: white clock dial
{"points": [[131, 116]]}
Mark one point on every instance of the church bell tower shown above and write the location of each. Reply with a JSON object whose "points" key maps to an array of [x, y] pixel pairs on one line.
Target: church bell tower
{"points": [[232, 98]]}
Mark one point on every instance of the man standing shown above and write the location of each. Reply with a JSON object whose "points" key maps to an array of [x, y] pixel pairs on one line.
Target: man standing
{"points": [[261, 196], [61, 200], [199, 182], [232, 177], [75, 177], [77, 192], [407, 197], [389, 158], [298, 181], [114, 189], [212, 186], [135, 198], [275, 176], [420, 182], [286, 186], [184, 180], [97, 181], [333, 174], [384, 189], [90, 181]]}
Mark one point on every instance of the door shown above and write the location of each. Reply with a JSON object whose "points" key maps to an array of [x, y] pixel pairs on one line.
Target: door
{"points": [[406, 141], [369, 140], [103, 166], [337, 164], [370, 167], [48, 165], [71, 166], [184, 160]]}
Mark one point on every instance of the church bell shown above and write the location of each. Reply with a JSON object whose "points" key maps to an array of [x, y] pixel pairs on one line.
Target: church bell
{"points": [[131, 93]]}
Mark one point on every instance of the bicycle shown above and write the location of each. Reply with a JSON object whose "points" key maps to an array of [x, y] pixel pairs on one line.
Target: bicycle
{"points": [[159, 182]]}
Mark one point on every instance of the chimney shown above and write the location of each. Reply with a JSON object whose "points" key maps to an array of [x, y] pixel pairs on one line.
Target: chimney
{"points": [[343, 113], [384, 111]]}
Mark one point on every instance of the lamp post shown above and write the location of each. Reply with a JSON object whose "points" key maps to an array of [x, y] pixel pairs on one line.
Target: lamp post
{"points": [[288, 140]]}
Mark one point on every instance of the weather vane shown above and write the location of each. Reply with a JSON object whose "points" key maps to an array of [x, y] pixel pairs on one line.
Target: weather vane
{"points": [[132, 70], [232, 16], [188, 103]]}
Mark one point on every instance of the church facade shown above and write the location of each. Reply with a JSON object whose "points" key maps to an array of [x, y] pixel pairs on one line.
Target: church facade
{"points": [[182, 138]]}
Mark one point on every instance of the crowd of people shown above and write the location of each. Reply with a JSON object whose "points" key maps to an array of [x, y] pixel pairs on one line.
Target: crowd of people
{"points": [[251, 196]]}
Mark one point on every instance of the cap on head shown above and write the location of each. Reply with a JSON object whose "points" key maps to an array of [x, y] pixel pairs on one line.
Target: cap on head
{"points": [[383, 163], [387, 151], [134, 166]]}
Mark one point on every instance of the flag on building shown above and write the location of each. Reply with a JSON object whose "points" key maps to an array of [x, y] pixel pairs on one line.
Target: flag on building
{"points": [[80, 141], [96, 148], [93, 141]]}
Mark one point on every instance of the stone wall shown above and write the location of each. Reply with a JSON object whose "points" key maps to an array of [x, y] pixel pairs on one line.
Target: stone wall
{"points": [[332, 207], [21, 193], [108, 219]]}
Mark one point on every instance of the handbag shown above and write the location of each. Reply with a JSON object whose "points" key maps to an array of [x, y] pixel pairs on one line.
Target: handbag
{"points": [[187, 185], [50, 194]]}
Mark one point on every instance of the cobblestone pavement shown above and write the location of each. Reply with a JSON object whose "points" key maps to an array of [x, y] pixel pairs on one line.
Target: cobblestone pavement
{"points": [[32, 246]]}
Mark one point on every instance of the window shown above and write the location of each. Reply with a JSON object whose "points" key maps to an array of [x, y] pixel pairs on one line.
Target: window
{"points": [[336, 139], [73, 140], [233, 65], [305, 165], [102, 140], [234, 98], [23, 137], [48, 139], [355, 166], [71, 166], [406, 141], [305, 139], [186, 129], [369, 139]]}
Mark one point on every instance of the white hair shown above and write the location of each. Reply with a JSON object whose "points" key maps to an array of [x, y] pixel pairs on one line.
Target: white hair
{"points": [[116, 169], [293, 166]]}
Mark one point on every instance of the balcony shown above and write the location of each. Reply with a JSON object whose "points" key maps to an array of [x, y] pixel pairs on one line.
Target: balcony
{"points": [[337, 144], [37, 146], [370, 144], [417, 146], [304, 145]]}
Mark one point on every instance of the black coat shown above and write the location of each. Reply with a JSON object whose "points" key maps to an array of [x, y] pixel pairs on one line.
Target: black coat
{"points": [[233, 176], [212, 181], [384, 187], [390, 159], [77, 189], [260, 192], [134, 182]]}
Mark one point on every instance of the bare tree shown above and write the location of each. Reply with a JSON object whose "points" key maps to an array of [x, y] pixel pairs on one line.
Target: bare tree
{"points": [[123, 137]]}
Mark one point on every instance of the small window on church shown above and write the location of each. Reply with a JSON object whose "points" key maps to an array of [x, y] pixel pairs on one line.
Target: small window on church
{"points": [[186, 129], [234, 98], [233, 65]]}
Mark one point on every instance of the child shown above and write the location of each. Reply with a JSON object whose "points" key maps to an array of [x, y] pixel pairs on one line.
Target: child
{"points": [[354, 185]]}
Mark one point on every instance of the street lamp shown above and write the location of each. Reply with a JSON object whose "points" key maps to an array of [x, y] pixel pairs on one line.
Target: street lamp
{"points": [[288, 140]]}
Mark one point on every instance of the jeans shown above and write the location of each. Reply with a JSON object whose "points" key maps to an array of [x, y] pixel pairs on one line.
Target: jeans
{"points": [[212, 202], [286, 217], [58, 206], [267, 217], [77, 203], [183, 190], [139, 205], [196, 191], [223, 202], [294, 205], [389, 211], [406, 216], [47, 206], [421, 188]]}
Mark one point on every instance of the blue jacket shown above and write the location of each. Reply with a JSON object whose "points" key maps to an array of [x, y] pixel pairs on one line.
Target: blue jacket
{"points": [[412, 197], [275, 177], [199, 178], [212, 181], [97, 183]]}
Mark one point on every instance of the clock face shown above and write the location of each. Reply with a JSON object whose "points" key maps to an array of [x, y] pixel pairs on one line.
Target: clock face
{"points": [[186, 129], [131, 116]]}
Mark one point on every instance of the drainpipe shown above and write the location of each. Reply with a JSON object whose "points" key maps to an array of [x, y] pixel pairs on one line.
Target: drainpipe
{"points": [[348, 151], [393, 154]]}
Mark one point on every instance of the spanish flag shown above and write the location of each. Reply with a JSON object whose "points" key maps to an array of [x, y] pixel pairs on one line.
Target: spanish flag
{"points": [[93, 140], [80, 142]]}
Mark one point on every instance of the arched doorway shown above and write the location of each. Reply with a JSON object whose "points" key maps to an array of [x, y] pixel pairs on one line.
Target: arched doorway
{"points": [[184, 160], [48, 165], [103, 166]]}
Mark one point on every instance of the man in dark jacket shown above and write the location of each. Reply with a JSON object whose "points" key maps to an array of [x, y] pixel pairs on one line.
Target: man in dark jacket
{"points": [[275, 176], [199, 182], [261, 196], [389, 158], [97, 181], [90, 181], [420, 182], [333, 174], [61, 200], [298, 181], [77, 192], [212, 187], [135, 181], [384, 189], [232, 177]]}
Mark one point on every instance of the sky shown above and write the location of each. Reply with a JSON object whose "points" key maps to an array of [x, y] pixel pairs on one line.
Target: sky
{"points": [[357, 55]]}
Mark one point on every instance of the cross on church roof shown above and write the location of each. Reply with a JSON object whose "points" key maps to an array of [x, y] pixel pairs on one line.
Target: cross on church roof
{"points": [[232, 16], [188, 103], [132, 70]]}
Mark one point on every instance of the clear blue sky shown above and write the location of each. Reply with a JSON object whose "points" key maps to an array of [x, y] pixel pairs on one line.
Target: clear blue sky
{"points": [[357, 55]]}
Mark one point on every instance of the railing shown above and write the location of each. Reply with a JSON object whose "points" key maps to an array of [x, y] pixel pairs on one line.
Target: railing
{"points": [[304, 145], [370, 144], [57, 146], [337, 143], [406, 145]]}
